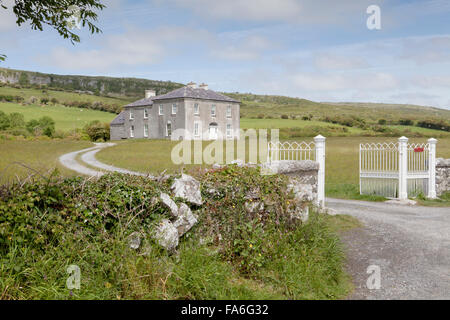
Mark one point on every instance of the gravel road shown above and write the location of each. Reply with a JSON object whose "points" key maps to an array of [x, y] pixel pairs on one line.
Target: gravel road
{"points": [[410, 244]]}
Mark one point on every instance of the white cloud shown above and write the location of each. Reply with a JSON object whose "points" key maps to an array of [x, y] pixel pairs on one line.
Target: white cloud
{"points": [[248, 48], [253, 10], [346, 81], [327, 61], [425, 50], [133, 48], [432, 81]]}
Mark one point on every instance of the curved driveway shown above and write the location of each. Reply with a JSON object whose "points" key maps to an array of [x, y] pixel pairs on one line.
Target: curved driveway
{"points": [[70, 161], [410, 244]]}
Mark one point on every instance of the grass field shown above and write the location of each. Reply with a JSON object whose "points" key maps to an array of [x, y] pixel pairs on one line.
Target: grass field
{"points": [[41, 156], [66, 118]]}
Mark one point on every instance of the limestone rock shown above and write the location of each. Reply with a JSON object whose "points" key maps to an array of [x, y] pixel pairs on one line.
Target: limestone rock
{"points": [[166, 234], [187, 188], [290, 166], [169, 203], [302, 192], [185, 221]]}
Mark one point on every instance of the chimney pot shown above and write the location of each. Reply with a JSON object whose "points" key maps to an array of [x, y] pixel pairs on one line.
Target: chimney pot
{"points": [[192, 85], [150, 93], [204, 86]]}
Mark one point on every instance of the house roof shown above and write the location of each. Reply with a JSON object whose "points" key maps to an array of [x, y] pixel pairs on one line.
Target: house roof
{"points": [[120, 119], [184, 92]]}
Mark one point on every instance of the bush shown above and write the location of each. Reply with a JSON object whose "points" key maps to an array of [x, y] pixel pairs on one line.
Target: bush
{"points": [[44, 100], [406, 122], [382, 122], [284, 116], [434, 124], [97, 131], [43, 126], [17, 120], [5, 121]]}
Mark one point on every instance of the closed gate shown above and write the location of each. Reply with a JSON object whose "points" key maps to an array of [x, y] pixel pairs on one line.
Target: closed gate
{"points": [[398, 170]]}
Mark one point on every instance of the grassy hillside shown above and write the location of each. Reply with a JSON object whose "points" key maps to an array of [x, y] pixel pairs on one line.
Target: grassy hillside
{"points": [[108, 86], [254, 106], [66, 118]]}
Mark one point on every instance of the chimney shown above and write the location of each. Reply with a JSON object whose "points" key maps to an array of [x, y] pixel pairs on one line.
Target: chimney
{"points": [[150, 93], [192, 85], [204, 86]]}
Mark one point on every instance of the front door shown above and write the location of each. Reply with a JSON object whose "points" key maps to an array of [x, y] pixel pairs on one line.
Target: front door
{"points": [[213, 131]]}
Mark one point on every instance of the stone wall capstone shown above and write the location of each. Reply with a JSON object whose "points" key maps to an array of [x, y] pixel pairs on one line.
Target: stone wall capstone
{"points": [[442, 176]]}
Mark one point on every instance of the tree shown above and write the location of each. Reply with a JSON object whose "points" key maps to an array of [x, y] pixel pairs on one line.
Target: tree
{"points": [[57, 14], [97, 131]]}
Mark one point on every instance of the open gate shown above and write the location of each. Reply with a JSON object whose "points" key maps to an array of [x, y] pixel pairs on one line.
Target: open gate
{"points": [[398, 170]]}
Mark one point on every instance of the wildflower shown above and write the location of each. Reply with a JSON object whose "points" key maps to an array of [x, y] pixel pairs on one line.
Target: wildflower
{"points": [[251, 246]]}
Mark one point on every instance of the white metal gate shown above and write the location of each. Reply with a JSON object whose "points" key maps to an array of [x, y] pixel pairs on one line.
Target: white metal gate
{"points": [[398, 170]]}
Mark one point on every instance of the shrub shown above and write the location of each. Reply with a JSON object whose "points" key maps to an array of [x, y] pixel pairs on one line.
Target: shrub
{"points": [[284, 116], [260, 116], [97, 131], [382, 122], [17, 120], [44, 100], [5, 121], [54, 101], [44, 125], [406, 122], [434, 124]]}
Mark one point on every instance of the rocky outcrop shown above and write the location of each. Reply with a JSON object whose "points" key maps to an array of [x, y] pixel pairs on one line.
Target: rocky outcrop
{"points": [[166, 234]]}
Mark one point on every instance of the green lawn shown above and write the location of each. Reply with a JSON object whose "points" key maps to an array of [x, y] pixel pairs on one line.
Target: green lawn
{"points": [[66, 118], [41, 156]]}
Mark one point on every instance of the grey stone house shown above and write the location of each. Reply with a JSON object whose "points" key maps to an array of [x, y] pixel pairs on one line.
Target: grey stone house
{"points": [[187, 113]]}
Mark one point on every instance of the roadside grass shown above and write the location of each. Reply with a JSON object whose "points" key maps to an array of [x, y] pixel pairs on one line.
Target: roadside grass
{"points": [[41, 156], [442, 201], [66, 118]]}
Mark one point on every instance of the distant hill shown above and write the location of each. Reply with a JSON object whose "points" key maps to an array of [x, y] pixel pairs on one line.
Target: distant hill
{"points": [[131, 88], [121, 91]]}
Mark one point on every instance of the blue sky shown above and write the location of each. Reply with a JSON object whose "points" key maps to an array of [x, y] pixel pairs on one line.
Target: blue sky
{"points": [[318, 50]]}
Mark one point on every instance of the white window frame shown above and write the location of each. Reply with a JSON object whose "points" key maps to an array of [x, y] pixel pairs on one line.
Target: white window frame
{"points": [[145, 113], [229, 111], [197, 134], [132, 132], [161, 110], [229, 130], [196, 112], [174, 108], [131, 115], [213, 110], [146, 130]]}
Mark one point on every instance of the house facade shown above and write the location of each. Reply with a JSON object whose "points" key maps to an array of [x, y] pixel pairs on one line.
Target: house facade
{"points": [[187, 113]]}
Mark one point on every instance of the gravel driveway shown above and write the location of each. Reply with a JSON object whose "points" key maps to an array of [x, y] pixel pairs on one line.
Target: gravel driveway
{"points": [[410, 244]]}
